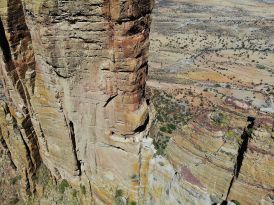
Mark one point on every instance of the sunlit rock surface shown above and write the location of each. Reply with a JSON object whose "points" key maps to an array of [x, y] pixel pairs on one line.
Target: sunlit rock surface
{"points": [[74, 76], [77, 127]]}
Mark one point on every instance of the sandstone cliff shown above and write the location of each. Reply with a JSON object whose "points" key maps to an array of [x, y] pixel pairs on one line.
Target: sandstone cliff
{"points": [[73, 112], [74, 76]]}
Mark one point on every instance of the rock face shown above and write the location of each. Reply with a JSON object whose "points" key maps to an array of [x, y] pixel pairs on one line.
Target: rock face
{"points": [[74, 76], [215, 156], [72, 93], [202, 58]]}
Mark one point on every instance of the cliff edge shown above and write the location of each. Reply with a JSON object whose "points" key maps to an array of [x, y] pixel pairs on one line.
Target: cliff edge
{"points": [[74, 75]]}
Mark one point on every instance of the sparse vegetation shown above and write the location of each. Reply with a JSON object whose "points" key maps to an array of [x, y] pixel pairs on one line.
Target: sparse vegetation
{"points": [[42, 176], [232, 135], [63, 185], [163, 129], [261, 67], [14, 200], [170, 112], [219, 119], [118, 193], [83, 189], [14, 180], [133, 203], [168, 128], [160, 143], [118, 198], [74, 193], [236, 202], [249, 131]]}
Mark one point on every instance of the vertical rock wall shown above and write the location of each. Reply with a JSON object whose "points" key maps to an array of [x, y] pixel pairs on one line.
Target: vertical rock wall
{"points": [[74, 76], [17, 75]]}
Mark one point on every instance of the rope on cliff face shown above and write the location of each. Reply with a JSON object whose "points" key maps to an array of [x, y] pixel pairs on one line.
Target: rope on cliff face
{"points": [[241, 152]]}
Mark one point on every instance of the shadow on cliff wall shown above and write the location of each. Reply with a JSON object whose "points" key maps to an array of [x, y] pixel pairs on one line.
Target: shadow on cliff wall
{"points": [[20, 41], [247, 134], [4, 44]]}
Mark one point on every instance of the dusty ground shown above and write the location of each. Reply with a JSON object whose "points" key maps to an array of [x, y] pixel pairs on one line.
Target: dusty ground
{"points": [[211, 67], [218, 50]]}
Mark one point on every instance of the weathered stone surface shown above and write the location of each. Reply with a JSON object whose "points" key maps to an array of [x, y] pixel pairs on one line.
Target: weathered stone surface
{"points": [[72, 86], [75, 72]]}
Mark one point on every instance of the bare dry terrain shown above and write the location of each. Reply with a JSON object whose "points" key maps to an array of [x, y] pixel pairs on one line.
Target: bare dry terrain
{"points": [[209, 42], [210, 123], [212, 67]]}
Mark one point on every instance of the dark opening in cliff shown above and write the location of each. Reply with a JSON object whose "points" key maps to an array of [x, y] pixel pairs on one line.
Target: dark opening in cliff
{"points": [[4, 44], [72, 135], [224, 203], [136, 29], [143, 126], [247, 133], [243, 148], [109, 100]]}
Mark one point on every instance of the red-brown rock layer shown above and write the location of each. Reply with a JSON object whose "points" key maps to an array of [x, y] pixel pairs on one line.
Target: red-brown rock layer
{"points": [[74, 76]]}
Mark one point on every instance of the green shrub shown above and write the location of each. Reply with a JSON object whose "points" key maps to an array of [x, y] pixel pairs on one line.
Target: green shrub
{"points": [[133, 203], [42, 175], [160, 151], [119, 197], [14, 200], [118, 193], [119, 201], [160, 143], [220, 119], [249, 131], [163, 129], [261, 67], [231, 134], [83, 189], [74, 193], [14, 180], [160, 118], [236, 202], [63, 185], [171, 126]]}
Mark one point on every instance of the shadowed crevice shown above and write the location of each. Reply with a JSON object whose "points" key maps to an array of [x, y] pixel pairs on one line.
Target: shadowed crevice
{"points": [[115, 147], [4, 44], [5, 146], [20, 42], [110, 99], [143, 126], [32, 141], [247, 133], [72, 135]]}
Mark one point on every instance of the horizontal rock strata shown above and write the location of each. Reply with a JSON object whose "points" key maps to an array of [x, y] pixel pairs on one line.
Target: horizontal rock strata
{"points": [[74, 76]]}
